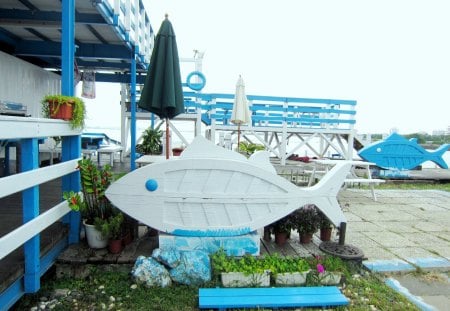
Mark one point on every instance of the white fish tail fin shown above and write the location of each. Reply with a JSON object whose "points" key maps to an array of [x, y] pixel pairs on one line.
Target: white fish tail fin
{"points": [[326, 191], [436, 156]]}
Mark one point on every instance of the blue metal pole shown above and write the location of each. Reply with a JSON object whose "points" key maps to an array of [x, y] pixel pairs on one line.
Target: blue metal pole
{"points": [[133, 112], [30, 201], [71, 145], [68, 47]]}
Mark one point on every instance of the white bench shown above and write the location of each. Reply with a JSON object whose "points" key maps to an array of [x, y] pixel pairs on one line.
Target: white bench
{"points": [[325, 166], [89, 153], [111, 151], [369, 181]]}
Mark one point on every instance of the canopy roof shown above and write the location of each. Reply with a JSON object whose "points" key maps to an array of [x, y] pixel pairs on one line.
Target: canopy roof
{"points": [[105, 36]]}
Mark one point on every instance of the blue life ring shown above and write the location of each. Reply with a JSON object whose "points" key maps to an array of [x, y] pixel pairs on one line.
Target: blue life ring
{"points": [[196, 86]]}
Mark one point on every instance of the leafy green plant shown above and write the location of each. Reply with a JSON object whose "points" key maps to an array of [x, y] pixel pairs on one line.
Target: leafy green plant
{"points": [[324, 222], [78, 113], [111, 227], [249, 148], [306, 219], [94, 182], [151, 142], [283, 225]]}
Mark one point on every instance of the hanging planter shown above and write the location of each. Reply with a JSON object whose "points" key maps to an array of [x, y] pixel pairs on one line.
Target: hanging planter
{"points": [[69, 108]]}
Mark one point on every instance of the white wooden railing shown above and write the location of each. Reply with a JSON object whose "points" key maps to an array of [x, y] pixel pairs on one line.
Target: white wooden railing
{"points": [[27, 131]]}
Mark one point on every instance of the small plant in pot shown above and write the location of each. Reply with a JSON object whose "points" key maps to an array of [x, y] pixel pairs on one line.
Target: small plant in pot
{"points": [[69, 108], [325, 226], [282, 229], [113, 229], [326, 270], [306, 221], [93, 205]]}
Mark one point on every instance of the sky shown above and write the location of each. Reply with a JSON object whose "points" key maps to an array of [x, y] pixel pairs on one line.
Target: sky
{"points": [[391, 56]]}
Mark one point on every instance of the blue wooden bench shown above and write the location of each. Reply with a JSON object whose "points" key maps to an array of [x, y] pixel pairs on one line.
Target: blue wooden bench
{"points": [[271, 297]]}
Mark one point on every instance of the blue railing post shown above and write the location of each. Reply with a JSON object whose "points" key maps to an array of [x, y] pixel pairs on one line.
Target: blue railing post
{"points": [[71, 149], [71, 145], [29, 158], [133, 112]]}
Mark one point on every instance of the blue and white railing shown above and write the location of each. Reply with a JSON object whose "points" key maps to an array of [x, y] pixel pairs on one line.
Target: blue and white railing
{"points": [[272, 111], [27, 132]]}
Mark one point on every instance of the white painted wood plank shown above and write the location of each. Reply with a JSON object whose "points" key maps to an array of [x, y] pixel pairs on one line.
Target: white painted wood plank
{"points": [[16, 238], [18, 182], [21, 127]]}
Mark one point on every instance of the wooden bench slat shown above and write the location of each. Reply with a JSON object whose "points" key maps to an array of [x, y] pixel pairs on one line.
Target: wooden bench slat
{"points": [[276, 291], [222, 298]]}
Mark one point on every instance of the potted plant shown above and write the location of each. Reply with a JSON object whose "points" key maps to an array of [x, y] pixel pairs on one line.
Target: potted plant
{"points": [[327, 270], [240, 272], [248, 149], [282, 229], [306, 222], [325, 226], [151, 142], [288, 270], [176, 151], [69, 108], [112, 228], [93, 205]]}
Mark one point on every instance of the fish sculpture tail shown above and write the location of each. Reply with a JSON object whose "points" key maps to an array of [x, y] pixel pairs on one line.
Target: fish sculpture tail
{"points": [[436, 156], [326, 191]]}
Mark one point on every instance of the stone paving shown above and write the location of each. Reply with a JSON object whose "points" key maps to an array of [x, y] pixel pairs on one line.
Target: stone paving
{"points": [[404, 231]]}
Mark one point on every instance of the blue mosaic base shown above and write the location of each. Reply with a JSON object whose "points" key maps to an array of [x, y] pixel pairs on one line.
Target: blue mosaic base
{"points": [[233, 245]]}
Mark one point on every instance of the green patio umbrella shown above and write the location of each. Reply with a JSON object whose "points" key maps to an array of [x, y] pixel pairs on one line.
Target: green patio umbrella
{"points": [[162, 93]]}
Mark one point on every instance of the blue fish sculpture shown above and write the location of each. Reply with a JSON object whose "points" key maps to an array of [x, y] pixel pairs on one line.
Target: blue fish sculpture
{"points": [[397, 152]]}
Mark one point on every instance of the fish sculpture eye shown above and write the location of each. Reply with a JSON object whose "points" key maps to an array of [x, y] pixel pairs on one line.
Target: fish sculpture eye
{"points": [[378, 149], [151, 185]]}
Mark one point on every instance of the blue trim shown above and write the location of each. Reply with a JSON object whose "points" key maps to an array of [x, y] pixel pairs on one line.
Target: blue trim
{"points": [[12, 294], [50, 258], [388, 265], [210, 233], [16, 290], [394, 284]]}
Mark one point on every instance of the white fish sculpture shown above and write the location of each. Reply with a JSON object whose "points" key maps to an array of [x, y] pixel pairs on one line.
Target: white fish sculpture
{"points": [[211, 191]]}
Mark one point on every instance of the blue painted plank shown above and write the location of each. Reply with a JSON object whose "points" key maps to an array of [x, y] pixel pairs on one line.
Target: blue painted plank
{"points": [[271, 297], [276, 291], [30, 202]]}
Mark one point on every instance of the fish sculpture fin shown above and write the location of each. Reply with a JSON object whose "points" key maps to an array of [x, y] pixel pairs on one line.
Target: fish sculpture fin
{"points": [[413, 140], [326, 191], [200, 147], [436, 156], [262, 159]]}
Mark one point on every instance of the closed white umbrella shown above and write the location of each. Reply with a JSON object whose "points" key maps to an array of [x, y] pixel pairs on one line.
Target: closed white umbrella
{"points": [[241, 114]]}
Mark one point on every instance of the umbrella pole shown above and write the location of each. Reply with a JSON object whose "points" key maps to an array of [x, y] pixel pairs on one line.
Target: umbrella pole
{"points": [[239, 136], [167, 138]]}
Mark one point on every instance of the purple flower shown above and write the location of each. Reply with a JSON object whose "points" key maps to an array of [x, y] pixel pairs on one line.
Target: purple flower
{"points": [[320, 268]]}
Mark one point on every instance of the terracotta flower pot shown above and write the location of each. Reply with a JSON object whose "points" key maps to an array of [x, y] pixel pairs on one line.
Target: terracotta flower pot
{"points": [[305, 238], [177, 151], [281, 238], [64, 112], [325, 234], [115, 246]]}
